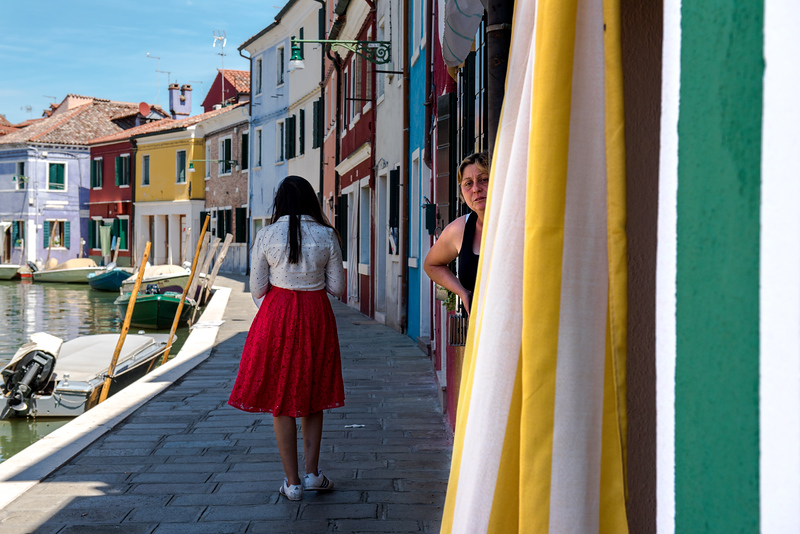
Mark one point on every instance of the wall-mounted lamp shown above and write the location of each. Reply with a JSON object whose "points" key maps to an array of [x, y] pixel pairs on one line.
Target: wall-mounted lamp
{"points": [[378, 52]]}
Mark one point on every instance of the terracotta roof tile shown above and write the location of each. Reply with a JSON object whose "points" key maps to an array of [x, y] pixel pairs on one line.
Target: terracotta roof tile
{"points": [[75, 127], [240, 79], [4, 130], [191, 121], [127, 134], [3, 121]]}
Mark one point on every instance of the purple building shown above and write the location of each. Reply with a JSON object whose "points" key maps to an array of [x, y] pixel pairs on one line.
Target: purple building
{"points": [[45, 178]]}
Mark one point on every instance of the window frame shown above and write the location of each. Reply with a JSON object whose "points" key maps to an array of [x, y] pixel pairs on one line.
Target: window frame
{"points": [[145, 170], [65, 184], [244, 150], [280, 141], [177, 169], [224, 165], [96, 173], [125, 166], [19, 167], [259, 74], [280, 65], [259, 148]]}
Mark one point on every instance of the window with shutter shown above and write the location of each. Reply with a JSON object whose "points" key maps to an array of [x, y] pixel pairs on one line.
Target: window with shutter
{"points": [[92, 232], [228, 222], [117, 170], [125, 170], [145, 170], [123, 233], [46, 233], [241, 225], [66, 240], [302, 136], [56, 177], [291, 136], [245, 150], [316, 124]]}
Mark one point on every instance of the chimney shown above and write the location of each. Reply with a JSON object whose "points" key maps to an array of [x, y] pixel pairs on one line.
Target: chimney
{"points": [[180, 101]]}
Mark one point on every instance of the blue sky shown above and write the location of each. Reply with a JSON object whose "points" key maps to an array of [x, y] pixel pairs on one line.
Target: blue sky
{"points": [[99, 48]]}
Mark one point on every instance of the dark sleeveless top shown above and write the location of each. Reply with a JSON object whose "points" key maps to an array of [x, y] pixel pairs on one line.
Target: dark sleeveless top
{"points": [[468, 260]]}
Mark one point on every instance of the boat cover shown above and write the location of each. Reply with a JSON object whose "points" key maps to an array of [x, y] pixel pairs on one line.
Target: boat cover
{"points": [[89, 356], [75, 263]]}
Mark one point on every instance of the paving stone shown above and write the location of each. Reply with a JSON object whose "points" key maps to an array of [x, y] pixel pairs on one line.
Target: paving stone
{"points": [[107, 529], [215, 527], [295, 527], [378, 526], [166, 514], [283, 511], [188, 462], [171, 488]]}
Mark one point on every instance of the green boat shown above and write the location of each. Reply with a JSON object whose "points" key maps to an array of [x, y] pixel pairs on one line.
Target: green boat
{"points": [[156, 310]]}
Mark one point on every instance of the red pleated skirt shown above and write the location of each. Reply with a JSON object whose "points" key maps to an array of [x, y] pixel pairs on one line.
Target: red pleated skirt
{"points": [[291, 363]]}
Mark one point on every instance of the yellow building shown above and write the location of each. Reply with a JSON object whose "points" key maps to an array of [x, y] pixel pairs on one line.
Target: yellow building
{"points": [[170, 188]]}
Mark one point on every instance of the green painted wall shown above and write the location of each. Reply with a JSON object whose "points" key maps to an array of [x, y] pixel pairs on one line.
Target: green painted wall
{"points": [[716, 390]]}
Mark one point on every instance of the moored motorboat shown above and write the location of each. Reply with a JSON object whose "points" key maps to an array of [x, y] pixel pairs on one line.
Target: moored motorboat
{"points": [[51, 378], [110, 279], [9, 271], [74, 271], [167, 277], [156, 310]]}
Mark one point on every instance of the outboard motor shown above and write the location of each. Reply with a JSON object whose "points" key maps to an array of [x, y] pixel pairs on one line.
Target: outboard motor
{"points": [[20, 381], [32, 266], [152, 289]]}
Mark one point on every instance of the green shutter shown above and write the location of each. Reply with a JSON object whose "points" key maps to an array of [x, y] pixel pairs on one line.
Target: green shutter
{"points": [[93, 173], [66, 235], [56, 177], [100, 173], [117, 169], [115, 228], [14, 233], [123, 234], [91, 234], [46, 233]]}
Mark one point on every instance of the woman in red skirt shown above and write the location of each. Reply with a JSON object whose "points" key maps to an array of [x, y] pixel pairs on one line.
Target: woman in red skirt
{"points": [[291, 365]]}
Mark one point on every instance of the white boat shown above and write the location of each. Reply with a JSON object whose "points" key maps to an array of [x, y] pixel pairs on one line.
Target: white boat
{"points": [[71, 271], [51, 378], [168, 278], [8, 271]]}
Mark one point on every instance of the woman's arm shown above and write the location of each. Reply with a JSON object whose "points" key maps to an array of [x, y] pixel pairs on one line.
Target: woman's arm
{"points": [[334, 270], [259, 270], [444, 251]]}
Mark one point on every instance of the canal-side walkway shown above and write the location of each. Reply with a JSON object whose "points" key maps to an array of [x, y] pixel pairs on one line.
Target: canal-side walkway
{"points": [[185, 461]]}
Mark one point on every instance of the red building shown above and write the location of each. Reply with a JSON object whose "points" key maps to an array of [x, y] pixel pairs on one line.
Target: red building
{"points": [[111, 190], [229, 87]]}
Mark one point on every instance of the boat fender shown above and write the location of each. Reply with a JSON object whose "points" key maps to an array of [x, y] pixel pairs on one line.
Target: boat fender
{"points": [[29, 375]]}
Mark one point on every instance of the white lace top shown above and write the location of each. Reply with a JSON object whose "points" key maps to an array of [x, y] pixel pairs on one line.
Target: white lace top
{"points": [[320, 265]]}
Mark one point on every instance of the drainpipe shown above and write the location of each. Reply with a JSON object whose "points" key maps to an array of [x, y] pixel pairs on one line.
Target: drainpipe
{"points": [[249, 154], [321, 107], [404, 185], [337, 65], [426, 155]]}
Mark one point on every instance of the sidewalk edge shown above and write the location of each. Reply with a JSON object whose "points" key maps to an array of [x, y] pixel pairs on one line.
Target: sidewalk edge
{"points": [[31, 465]]}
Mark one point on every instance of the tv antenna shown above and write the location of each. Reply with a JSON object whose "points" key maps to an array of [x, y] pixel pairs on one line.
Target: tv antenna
{"points": [[54, 98], [158, 80], [219, 35]]}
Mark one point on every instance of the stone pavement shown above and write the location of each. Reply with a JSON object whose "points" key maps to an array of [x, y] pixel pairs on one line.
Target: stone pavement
{"points": [[186, 462]]}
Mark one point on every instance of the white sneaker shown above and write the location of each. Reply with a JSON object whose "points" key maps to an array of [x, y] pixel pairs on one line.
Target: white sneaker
{"points": [[291, 492], [318, 482]]}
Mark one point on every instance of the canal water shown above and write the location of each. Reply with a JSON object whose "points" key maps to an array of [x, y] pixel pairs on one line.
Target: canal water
{"points": [[63, 310]]}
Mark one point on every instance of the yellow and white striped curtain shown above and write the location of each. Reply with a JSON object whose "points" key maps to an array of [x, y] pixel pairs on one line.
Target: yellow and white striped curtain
{"points": [[541, 426]]}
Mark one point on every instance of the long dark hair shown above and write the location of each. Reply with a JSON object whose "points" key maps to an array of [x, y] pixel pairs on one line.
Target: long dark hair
{"points": [[295, 197]]}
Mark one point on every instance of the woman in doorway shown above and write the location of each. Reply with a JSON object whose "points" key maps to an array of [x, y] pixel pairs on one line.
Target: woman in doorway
{"points": [[462, 238], [291, 366]]}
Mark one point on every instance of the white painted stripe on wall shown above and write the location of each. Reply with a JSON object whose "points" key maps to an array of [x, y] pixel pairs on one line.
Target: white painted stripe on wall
{"points": [[666, 269], [580, 367], [779, 410]]}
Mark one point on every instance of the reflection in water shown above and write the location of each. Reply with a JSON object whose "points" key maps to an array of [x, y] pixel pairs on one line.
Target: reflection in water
{"points": [[63, 310]]}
